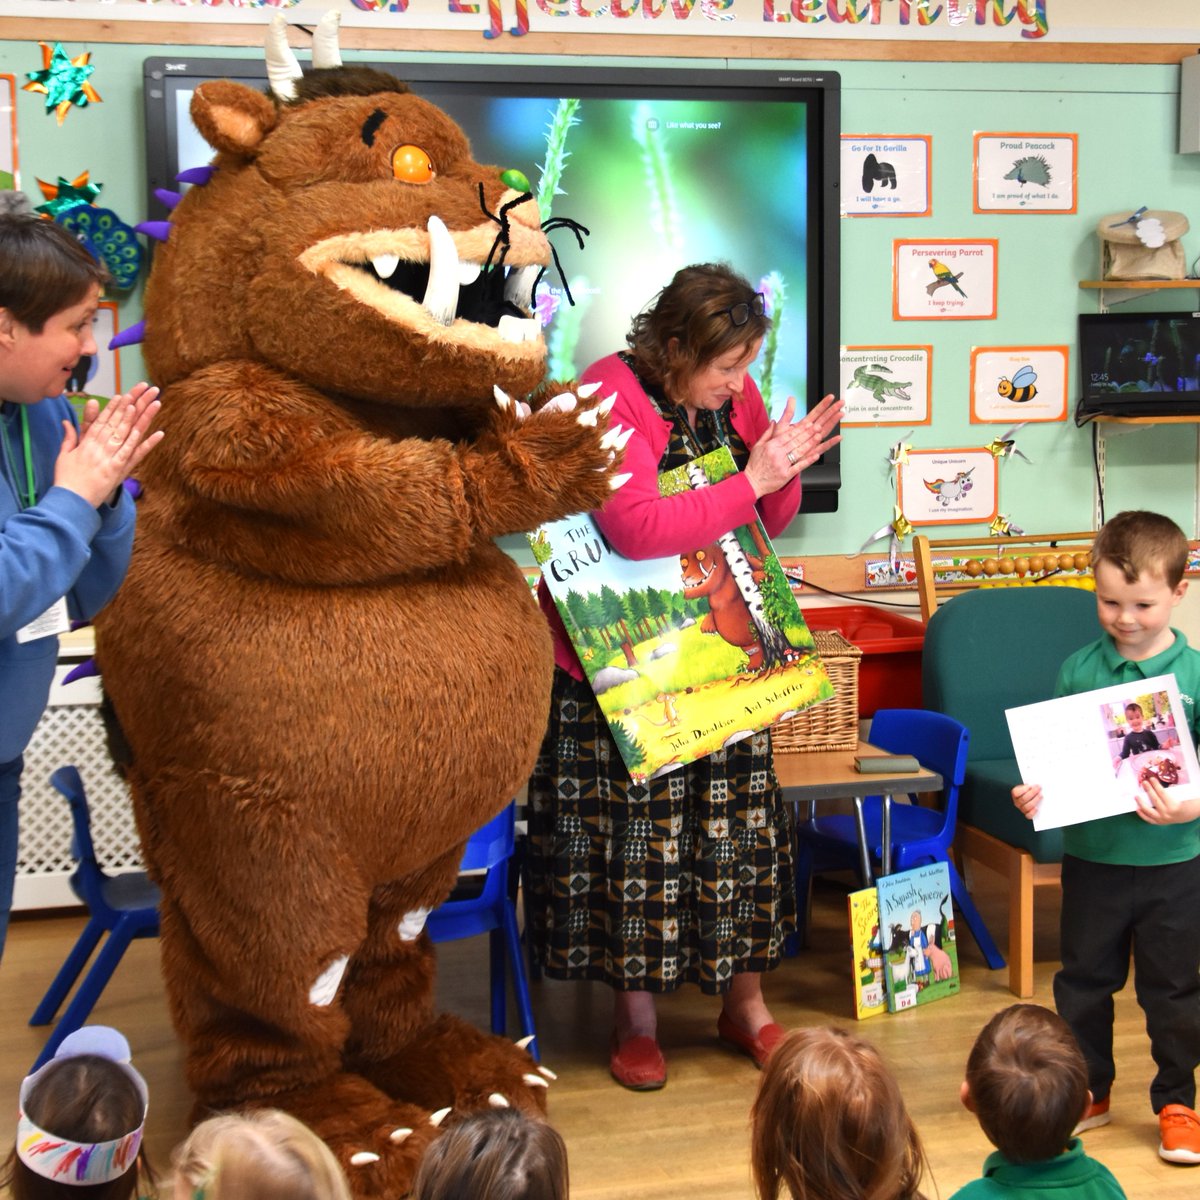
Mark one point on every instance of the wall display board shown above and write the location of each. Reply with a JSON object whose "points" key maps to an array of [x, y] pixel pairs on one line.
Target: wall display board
{"points": [[1026, 172], [8, 133], [886, 176], [98, 376], [947, 487], [945, 280], [1019, 383], [887, 385]]}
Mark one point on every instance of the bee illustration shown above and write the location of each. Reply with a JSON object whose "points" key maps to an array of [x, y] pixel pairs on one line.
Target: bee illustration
{"points": [[1020, 388]]}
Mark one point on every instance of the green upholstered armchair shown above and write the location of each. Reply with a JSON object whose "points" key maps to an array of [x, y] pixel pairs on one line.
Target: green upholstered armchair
{"points": [[986, 651]]}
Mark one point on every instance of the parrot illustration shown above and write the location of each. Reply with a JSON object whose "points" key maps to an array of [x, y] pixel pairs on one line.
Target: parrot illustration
{"points": [[944, 276]]}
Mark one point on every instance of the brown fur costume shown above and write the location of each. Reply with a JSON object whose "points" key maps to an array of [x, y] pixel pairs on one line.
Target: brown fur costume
{"points": [[327, 673]]}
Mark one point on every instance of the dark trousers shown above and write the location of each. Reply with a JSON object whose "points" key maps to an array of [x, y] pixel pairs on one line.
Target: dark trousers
{"points": [[1107, 911]]}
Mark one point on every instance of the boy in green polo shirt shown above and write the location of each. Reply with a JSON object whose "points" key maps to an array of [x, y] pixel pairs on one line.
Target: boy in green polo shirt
{"points": [[1135, 877], [1027, 1083]]}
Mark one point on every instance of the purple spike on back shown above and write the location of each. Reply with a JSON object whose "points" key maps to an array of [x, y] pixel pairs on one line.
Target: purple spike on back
{"points": [[85, 670], [158, 230], [128, 337], [197, 175], [168, 197]]}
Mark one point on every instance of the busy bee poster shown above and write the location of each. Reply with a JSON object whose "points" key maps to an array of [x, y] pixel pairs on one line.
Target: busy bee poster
{"points": [[1018, 383]]}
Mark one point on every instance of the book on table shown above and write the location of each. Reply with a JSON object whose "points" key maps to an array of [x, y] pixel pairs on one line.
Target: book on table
{"points": [[686, 654]]}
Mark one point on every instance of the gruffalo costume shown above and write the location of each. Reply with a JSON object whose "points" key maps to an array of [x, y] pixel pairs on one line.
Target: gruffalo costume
{"points": [[326, 672]]}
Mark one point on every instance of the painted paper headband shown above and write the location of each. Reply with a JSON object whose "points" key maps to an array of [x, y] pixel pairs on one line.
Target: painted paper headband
{"points": [[81, 1164]]}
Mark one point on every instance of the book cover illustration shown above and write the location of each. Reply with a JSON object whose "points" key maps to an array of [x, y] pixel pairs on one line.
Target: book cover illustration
{"points": [[689, 653], [1093, 752], [916, 921], [866, 948]]}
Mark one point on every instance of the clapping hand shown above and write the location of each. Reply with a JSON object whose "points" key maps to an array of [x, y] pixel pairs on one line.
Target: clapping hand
{"points": [[109, 444], [788, 447]]}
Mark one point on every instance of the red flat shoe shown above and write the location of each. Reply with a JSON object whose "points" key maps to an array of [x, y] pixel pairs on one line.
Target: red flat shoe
{"points": [[638, 1064], [757, 1046]]}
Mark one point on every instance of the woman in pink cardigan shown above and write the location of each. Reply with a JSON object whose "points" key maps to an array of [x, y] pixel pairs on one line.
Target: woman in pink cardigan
{"points": [[687, 878]]}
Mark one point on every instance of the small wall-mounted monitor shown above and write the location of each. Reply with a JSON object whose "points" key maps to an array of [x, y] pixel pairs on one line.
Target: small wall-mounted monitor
{"points": [[1139, 364], [663, 167]]}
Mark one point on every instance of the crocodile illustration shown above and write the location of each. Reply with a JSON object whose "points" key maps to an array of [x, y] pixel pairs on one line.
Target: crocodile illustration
{"points": [[869, 380]]}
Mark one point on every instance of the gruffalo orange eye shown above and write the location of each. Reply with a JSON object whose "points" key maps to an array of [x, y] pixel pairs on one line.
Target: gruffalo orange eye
{"points": [[410, 164]]}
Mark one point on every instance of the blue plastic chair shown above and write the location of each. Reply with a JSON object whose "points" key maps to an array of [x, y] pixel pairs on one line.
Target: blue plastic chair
{"points": [[484, 904], [919, 835], [124, 906]]}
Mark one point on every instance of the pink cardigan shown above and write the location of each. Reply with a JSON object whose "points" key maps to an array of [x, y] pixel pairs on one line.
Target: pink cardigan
{"points": [[639, 522]]}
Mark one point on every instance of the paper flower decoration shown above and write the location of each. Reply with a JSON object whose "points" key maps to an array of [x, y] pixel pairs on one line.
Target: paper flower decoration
{"points": [[1003, 527], [63, 80], [62, 196]]}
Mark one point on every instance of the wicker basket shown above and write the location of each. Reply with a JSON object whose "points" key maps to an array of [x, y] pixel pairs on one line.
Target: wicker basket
{"points": [[832, 725]]}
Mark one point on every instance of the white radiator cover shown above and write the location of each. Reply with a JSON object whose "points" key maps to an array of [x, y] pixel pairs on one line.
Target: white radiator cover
{"points": [[70, 731]]}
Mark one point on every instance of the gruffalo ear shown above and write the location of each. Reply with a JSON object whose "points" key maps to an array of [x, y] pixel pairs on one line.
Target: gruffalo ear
{"points": [[232, 117]]}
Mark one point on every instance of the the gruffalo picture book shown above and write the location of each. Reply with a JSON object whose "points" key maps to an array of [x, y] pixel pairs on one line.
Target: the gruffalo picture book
{"points": [[685, 654]]}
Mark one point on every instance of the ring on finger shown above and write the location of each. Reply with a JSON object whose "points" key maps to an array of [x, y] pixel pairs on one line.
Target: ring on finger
{"points": [[791, 458]]}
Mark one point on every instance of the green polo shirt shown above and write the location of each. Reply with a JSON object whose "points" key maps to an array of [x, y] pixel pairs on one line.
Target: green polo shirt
{"points": [[1127, 840], [1070, 1176]]}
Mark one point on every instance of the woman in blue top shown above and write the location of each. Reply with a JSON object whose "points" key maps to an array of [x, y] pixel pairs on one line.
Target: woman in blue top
{"points": [[66, 524]]}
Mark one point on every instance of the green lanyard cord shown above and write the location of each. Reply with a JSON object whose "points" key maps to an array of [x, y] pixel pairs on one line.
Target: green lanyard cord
{"points": [[29, 483], [30, 497]]}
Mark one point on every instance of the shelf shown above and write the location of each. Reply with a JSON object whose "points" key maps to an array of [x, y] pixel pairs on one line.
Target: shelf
{"points": [[1140, 285], [1103, 420]]}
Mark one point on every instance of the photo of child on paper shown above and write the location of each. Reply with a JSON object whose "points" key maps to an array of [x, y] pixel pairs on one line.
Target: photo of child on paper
{"points": [[1143, 740]]}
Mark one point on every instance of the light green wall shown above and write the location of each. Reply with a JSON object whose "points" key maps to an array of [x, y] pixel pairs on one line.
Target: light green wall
{"points": [[1126, 118]]}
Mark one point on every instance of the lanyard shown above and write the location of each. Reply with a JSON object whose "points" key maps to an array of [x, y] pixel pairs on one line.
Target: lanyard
{"points": [[29, 499]]}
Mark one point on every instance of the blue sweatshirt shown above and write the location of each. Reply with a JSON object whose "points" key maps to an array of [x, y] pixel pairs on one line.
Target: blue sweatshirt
{"points": [[60, 546]]}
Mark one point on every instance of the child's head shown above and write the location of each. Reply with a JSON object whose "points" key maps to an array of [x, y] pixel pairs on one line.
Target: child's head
{"points": [[1134, 714], [43, 269], [1027, 1083], [502, 1153], [829, 1122], [79, 1132], [265, 1154], [1138, 559], [1142, 544]]}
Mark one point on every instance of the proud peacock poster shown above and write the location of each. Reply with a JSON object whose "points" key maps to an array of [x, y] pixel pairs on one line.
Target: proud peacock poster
{"points": [[686, 654]]}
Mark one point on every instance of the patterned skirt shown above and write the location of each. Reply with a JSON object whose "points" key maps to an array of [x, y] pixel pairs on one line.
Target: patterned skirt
{"points": [[685, 879]]}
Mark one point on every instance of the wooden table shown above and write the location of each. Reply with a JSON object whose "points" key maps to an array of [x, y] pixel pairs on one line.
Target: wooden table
{"points": [[830, 775]]}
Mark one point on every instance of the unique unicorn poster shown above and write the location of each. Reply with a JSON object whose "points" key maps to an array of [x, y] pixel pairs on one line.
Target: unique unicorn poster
{"points": [[947, 487], [885, 176], [1018, 383], [8, 133], [1026, 172], [953, 280], [686, 654], [886, 385]]}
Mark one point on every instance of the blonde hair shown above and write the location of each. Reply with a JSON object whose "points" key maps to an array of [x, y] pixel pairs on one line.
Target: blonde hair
{"points": [[829, 1123], [263, 1154]]}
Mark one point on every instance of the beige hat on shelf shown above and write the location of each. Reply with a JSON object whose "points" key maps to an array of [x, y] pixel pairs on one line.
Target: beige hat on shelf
{"points": [[1142, 244]]}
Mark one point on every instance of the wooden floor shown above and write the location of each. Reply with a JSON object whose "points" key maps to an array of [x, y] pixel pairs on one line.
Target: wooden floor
{"points": [[690, 1139]]}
